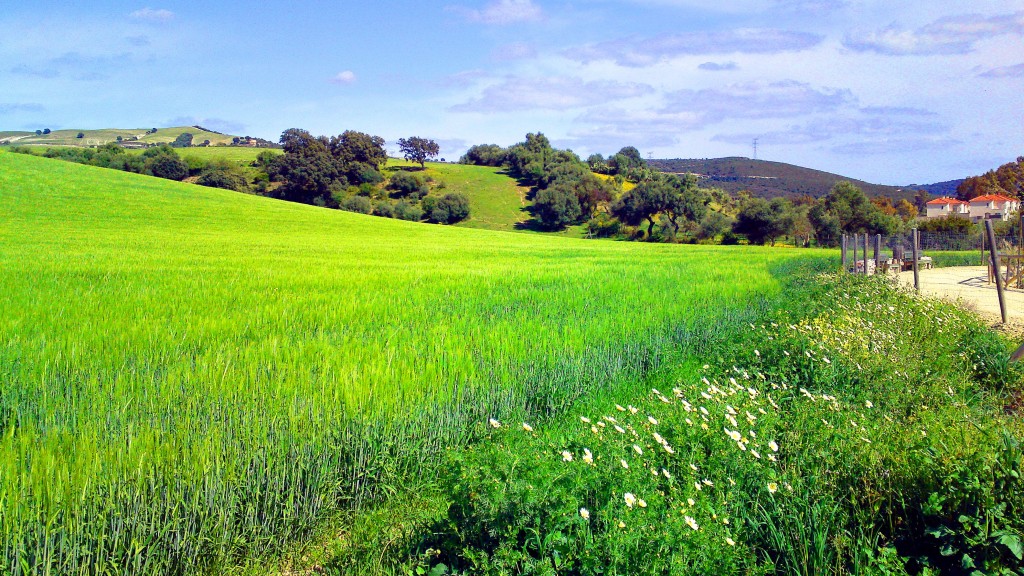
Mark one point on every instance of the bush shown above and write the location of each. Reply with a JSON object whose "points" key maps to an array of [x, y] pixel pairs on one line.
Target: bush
{"points": [[220, 178], [359, 204], [384, 209], [602, 225], [80, 135], [407, 211], [168, 166], [406, 185], [449, 209], [730, 238]]}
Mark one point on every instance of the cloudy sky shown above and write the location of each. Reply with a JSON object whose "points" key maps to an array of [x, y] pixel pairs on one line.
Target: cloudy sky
{"points": [[889, 92]]}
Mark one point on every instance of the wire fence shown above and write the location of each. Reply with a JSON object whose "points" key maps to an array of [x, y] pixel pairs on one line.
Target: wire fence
{"points": [[895, 253]]}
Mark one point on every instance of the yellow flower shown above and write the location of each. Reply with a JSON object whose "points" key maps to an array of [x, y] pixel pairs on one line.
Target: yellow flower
{"points": [[585, 513], [773, 446], [691, 522], [588, 457], [773, 487], [630, 499], [527, 427], [730, 541], [585, 419], [624, 464], [622, 524], [652, 420], [620, 408], [566, 456], [494, 423], [638, 450], [640, 502]]}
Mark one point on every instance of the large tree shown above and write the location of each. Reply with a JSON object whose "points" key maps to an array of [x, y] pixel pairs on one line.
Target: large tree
{"points": [[763, 221], [416, 149]]}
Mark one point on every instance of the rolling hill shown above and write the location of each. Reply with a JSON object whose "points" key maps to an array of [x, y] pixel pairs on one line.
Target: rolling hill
{"points": [[770, 179], [99, 137]]}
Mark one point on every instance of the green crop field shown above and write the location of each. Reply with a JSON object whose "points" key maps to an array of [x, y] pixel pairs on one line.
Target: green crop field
{"points": [[194, 376]]}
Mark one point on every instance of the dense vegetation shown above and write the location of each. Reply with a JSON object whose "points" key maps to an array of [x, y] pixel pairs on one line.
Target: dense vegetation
{"points": [[1007, 180], [798, 447], [193, 376]]}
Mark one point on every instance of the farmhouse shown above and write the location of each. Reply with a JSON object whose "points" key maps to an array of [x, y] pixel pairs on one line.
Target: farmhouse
{"points": [[992, 206], [946, 206]]}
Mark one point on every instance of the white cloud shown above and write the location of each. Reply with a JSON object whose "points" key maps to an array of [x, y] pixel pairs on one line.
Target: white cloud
{"points": [[15, 107], [558, 93], [1015, 71], [345, 77], [515, 51], [782, 99], [501, 12], [949, 35], [153, 15], [718, 66], [641, 51]]}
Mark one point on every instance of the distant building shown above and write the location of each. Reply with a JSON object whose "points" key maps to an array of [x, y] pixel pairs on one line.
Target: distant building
{"points": [[992, 207], [947, 206]]}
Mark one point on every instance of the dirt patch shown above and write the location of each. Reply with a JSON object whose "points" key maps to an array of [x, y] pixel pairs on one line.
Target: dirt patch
{"points": [[969, 288]]}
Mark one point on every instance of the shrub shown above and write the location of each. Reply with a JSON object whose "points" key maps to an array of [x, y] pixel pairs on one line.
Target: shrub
{"points": [[220, 178], [384, 209], [406, 185], [449, 209], [80, 135], [407, 211], [168, 166], [359, 204], [602, 225]]}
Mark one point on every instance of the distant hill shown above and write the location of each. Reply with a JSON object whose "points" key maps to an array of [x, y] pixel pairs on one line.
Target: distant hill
{"points": [[770, 179], [947, 188], [107, 135]]}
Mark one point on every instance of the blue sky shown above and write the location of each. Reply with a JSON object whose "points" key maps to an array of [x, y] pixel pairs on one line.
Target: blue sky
{"points": [[889, 92]]}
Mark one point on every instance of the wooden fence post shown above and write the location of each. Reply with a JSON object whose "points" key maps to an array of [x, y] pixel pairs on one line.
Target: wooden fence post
{"points": [[854, 239], [865, 253], [878, 252], [916, 255], [994, 253], [843, 249]]}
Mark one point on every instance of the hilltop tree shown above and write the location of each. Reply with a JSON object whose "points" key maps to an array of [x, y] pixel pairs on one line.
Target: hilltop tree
{"points": [[416, 149], [183, 140], [164, 162], [484, 155]]}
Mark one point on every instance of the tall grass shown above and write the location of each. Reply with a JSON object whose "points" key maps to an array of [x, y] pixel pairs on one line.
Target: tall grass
{"points": [[193, 376]]}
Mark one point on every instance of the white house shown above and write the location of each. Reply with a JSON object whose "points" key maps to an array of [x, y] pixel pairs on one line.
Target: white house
{"points": [[947, 206], [992, 207]]}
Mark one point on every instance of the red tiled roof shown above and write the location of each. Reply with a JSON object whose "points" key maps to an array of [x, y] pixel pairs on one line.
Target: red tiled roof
{"points": [[945, 200], [992, 198]]}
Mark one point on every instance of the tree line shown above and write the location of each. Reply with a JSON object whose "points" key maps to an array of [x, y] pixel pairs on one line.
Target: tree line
{"points": [[622, 197]]}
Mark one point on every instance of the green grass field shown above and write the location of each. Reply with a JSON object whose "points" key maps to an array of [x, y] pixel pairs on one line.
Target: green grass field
{"points": [[194, 376]]}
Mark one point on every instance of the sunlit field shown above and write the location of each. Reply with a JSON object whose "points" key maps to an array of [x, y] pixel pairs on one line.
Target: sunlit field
{"points": [[193, 375]]}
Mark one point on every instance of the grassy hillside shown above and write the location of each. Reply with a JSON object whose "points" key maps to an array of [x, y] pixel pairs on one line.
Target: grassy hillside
{"points": [[104, 136], [769, 179], [193, 376], [497, 202]]}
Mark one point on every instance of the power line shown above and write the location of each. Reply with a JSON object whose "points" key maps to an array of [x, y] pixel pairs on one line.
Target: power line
{"points": [[755, 148]]}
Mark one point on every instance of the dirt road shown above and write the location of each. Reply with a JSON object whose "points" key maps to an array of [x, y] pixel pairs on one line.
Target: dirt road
{"points": [[969, 285]]}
